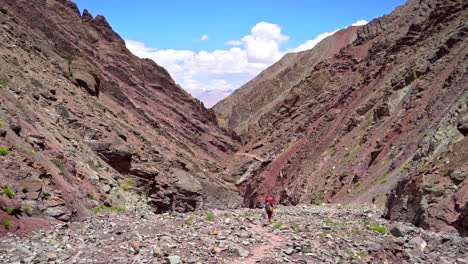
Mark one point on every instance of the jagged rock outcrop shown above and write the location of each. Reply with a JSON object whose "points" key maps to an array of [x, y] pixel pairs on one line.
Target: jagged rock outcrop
{"points": [[381, 113], [84, 122]]}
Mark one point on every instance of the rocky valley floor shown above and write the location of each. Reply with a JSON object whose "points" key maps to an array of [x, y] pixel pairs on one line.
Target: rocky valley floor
{"points": [[306, 234]]}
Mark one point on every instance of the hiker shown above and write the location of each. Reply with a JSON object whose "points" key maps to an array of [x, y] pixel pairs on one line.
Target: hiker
{"points": [[268, 205]]}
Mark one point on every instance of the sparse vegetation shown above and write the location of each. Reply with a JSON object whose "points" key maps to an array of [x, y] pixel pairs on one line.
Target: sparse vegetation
{"points": [[447, 173], [6, 224], [189, 221], [226, 215], [356, 185], [210, 217], [2, 123], [319, 198], [125, 187], [4, 151], [91, 196], [380, 229], [277, 225], [25, 189], [8, 192], [383, 181], [112, 208], [9, 211], [367, 124], [28, 209], [46, 195], [405, 167], [333, 151], [130, 181]]}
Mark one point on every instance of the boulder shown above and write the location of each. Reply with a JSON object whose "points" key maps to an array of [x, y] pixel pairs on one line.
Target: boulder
{"points": [[16, 128]]}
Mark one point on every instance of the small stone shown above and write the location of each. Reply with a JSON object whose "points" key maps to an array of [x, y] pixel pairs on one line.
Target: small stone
{"points": [[173, 260], [289, 251], [16, 128], [3, 133], [217, 250], [374, 247], [240, 251], [135, 246], [397, 231], [52, 256], [418, 243], [157, 252]]}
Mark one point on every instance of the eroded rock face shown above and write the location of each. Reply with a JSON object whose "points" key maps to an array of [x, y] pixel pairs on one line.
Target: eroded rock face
{"points": [[370, 116], [84, 122]]}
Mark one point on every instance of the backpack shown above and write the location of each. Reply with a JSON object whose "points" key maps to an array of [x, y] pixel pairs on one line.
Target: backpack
{"points": [[268, 207]]}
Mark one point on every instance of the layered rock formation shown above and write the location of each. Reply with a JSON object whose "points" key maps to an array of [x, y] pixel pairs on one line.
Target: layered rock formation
{"points": [[383, 111], [241, 109], [84, 122]]}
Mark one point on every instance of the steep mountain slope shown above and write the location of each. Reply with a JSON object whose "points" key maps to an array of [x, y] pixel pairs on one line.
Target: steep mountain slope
{"points": [[84, 122], [271, 86], [388, 111]]}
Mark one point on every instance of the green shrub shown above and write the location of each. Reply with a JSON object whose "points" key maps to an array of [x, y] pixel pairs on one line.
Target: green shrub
{"points": [[6, 224], [383, 181], [130, 181], [125, 187], [8, 192], [91, 196], [97, 211], [189, 221], [27, 209], [2, 123], [119, 209], [103, 207], [9, 211], [447, 173], [210, 217], [46, 195], [357, 185], [277, 225], [4, 151], [226, 215], [377, 195], [25, 189], [380, 229]]}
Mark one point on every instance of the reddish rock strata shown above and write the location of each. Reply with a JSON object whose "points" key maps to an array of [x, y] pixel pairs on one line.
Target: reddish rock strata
{"points": [[363, 112], [86, 122]]}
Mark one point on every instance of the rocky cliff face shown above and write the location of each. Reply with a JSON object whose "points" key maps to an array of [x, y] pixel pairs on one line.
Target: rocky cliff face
{"points": [[381, 117], [241, 109], [83, 123]]}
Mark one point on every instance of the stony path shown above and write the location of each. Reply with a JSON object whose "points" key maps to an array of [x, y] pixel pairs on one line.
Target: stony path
{"points": [[303, 234]]}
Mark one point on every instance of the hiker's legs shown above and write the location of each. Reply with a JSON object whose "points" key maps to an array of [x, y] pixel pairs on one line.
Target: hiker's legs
{"points": [[269, 216]]}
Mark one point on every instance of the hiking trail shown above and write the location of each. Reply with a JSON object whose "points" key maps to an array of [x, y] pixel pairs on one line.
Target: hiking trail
{"points": [[260, 252]]}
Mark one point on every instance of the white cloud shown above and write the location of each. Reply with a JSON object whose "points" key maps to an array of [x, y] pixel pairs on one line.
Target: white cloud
{"points": [[234, 43], [311, 43], [359, 23], [263, 43], [211, 76]]}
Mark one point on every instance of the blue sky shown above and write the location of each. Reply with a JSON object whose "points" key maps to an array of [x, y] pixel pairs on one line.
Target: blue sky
{"points": [[202, 43]]}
